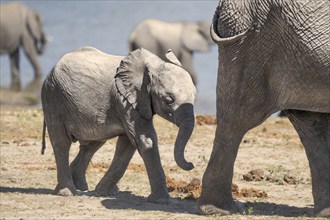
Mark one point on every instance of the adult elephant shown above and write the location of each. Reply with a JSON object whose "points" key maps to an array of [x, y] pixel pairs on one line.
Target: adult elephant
{"points": [[273, 55], [21, 27], [182, 37], [90, 97]]}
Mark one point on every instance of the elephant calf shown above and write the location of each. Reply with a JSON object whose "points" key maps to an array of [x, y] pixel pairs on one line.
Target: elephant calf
{"points": [[90, 96]]}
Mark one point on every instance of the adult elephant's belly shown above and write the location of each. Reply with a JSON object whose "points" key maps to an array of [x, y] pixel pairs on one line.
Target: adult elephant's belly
{"points": [[310, 90]]}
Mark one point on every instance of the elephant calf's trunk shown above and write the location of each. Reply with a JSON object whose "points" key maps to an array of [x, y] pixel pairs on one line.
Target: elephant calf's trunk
{"points": [[186, 128]]}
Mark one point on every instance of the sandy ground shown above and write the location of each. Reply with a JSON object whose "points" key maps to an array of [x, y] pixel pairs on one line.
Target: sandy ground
{"points": [[271, 175]]}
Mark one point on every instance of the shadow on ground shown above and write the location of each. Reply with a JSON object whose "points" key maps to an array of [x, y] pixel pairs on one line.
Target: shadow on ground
{"points": [[127, 200], [269, 209], [130, 201], [4, 189]]}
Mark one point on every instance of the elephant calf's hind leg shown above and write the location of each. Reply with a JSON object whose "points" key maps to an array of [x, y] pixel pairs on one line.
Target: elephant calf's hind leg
{"points": [[65, 186], [124, 152], [80, 163]]}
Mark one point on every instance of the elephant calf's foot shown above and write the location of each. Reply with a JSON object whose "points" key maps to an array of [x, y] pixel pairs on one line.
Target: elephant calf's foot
{"points": [[211, 209], [80, 183], [65, 191], [107, 191], [159, 198]]}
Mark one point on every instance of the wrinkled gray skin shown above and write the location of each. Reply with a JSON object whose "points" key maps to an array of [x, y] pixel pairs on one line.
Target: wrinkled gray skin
{"points": [[273, 55], [90, 97], [21, 27], [182, 37]]}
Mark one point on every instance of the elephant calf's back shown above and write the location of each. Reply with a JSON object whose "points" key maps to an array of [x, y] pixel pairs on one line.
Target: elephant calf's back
{"points": [[80, 86], [85, 73]]}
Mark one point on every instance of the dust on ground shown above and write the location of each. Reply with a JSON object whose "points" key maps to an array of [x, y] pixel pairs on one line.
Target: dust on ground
{"points": [[271, 176]]}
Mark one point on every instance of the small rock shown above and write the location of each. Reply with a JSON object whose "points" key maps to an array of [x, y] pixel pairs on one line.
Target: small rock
{"points": [[290, 180], [254, 175]]}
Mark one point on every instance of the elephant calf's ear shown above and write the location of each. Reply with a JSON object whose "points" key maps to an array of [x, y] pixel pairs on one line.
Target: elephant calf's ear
{"points": [[132, 80], [172, 58]]}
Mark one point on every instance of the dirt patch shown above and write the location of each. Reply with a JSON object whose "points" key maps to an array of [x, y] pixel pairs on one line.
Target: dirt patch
{"points": [[278, 178], [103, 167], [254, 175], [100, 167], [252, 192], [206, 120], [136, 167], [192, 190]]}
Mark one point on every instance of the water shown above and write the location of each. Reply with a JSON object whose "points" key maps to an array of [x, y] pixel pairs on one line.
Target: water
{"points": [[106, 25]]}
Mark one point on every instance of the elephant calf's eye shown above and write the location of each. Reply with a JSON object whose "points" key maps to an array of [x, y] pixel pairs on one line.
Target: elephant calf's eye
{"points": [[169, 100]]}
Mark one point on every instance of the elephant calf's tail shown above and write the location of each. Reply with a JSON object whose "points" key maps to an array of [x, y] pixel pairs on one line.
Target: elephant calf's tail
{"points": [[43, 138]]}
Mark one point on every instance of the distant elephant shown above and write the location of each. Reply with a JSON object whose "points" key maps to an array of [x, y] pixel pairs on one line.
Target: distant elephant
{"points": [[91, 96], [21, 27], [182, 37], [273, 55]]}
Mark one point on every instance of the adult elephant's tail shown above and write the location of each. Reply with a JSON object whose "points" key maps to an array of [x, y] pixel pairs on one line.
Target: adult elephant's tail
{"points": [[132, 45], [43, 138]]}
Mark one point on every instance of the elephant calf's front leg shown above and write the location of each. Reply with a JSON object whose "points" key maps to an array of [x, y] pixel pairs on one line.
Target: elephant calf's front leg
{"points": [[150, 155]]}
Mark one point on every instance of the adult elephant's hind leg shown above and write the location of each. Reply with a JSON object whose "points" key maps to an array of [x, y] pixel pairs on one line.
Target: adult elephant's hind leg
{"points": [[124, 152], [80, 163], [31, 54], [314, 131], [14, 65]]}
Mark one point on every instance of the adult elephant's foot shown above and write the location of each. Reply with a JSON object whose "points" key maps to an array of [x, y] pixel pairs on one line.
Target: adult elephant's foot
{"points": [[163, 198], [65, 190], [231, 207], [15, 85], [106, 191], [324, 213]]}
